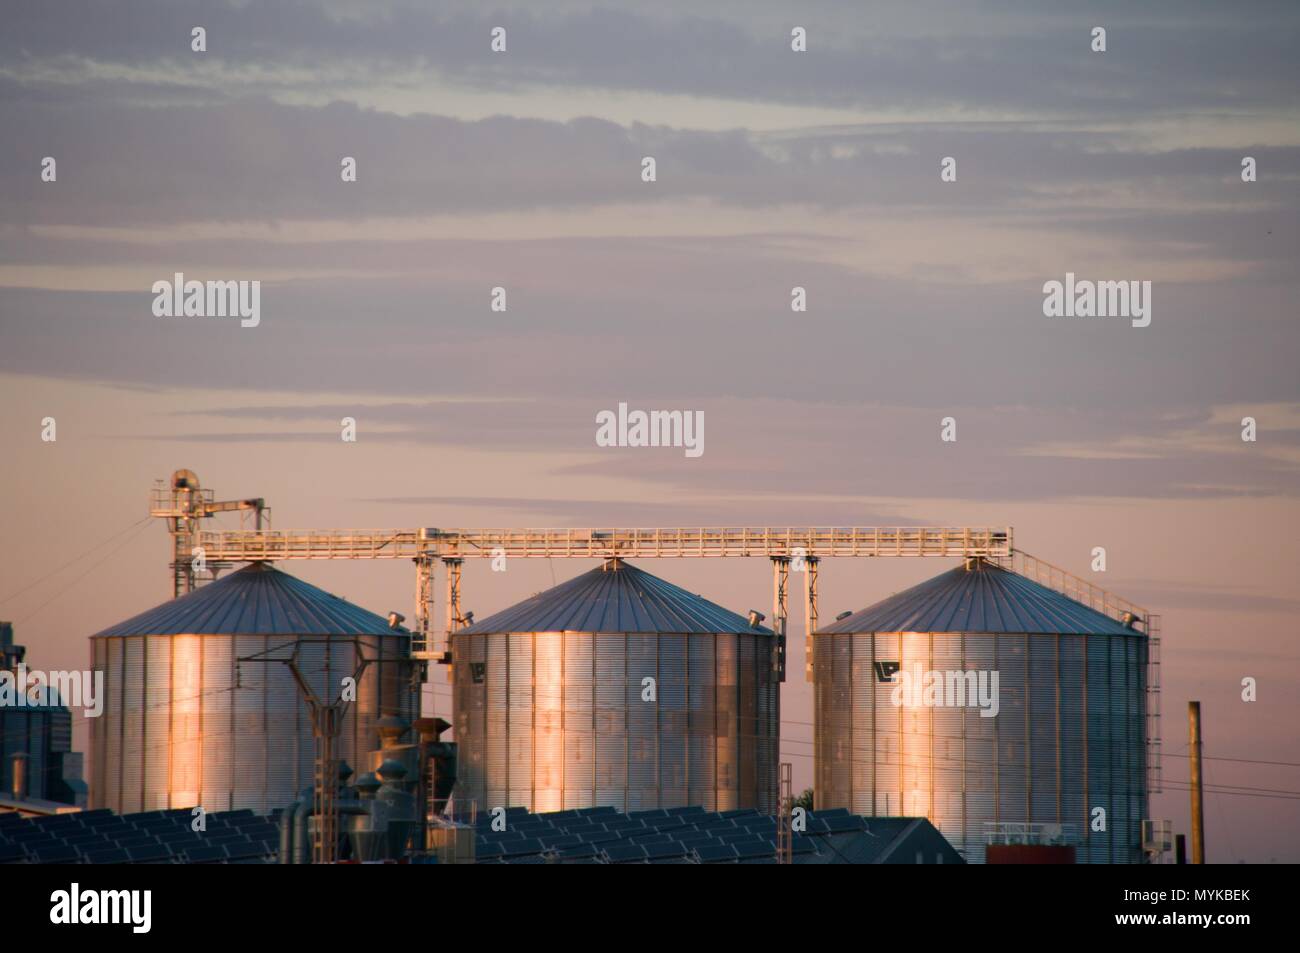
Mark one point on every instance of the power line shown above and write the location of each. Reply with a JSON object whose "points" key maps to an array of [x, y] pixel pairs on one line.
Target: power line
{"points": [[64, 590], [75, 559]]}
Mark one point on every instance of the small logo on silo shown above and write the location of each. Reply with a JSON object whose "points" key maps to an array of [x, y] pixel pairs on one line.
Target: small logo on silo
{"points": [[478, 672], [885, 671]]}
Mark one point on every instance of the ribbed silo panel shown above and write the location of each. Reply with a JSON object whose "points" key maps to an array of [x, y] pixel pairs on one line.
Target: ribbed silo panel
{"points": [[820, 691], [835, 742], [643, 723], [263, 783], [218, 770], [186, 720], [946, 746], [672, 720], [360, 732], [611, 720], [1137, 681], [1135, 759], [157, 701], [319, 672], [771, 738], [99, 727], [548, 722], [888, 718], [747, 719], [1122, 829], [916, 727], [365, 715], [768, 730], [1121, 822], [508, 720], [579, 720], [728, 732], [274, 699], [982, 777], [1101, 755], [133, 736], [1072, 749], [471, 730], [702, 718], [1013, 727], [852, 711], [1044, 730]]}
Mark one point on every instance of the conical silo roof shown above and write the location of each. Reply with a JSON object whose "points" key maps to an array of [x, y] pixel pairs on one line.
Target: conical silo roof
{"points": [[615, 597], [256, 600], [983, 598]]}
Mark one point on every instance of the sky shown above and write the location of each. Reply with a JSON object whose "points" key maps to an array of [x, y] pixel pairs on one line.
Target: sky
{"points": [[775, 169]]}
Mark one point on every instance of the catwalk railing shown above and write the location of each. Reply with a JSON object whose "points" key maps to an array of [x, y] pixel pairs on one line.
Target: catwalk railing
{"points": [[240, 545]]}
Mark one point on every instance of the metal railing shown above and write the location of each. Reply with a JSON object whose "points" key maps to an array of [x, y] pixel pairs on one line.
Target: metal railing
{"points": [[1076, 588], [240, 545], [1005, 832]]}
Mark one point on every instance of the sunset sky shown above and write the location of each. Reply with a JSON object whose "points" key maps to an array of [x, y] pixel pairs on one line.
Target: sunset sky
{"points": [[775, 169]]}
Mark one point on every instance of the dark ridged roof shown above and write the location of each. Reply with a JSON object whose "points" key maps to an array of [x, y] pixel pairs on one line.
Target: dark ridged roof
{"points": [[256, 600], [982, 599], [622, 599]]}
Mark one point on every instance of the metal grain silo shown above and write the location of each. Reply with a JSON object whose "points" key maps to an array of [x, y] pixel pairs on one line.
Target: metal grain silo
{"points": [[185, 723], [551, 711], [1069, 734]]}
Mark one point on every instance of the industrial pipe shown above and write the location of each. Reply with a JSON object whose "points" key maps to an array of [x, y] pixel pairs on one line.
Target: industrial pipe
{"points": [[19, 762]]}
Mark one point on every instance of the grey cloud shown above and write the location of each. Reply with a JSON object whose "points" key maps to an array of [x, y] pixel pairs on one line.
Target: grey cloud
{"points": [[1012, 57], [848, 450], [254, 160], [695, 320], [1207, 596]]}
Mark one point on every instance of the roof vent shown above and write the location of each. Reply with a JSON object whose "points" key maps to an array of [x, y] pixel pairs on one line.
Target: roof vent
{"points": [[755, 617], [395, 620], [844, 615]]}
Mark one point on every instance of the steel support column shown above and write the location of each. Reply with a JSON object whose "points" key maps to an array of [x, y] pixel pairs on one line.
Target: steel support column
{"points": [[454, 617], [780, 585], [809, 615], [785, 808], [420, 641]]}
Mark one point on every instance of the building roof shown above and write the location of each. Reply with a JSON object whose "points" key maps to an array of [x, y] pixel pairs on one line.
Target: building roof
{"points": [[984, 598], [31, 835], [615, 597], [256, 600], [694, 835]]}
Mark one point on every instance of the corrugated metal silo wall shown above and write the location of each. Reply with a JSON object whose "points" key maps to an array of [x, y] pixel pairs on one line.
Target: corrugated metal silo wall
{"points": [[1069, 736], [551, 721], [177, 732], [44, 733]]}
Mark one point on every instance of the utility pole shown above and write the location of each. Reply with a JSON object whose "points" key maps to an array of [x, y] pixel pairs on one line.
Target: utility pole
{"points": [[326, 724], [1198, 812], [785, 808]]}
